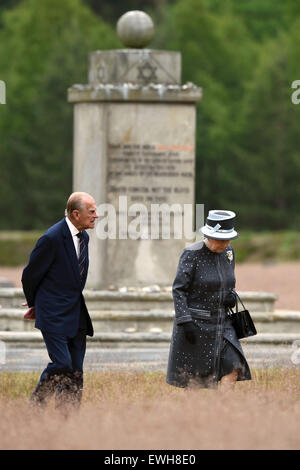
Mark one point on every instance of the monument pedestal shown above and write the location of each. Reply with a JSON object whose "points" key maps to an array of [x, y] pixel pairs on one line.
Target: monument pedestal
{"points": [[134, 152]]}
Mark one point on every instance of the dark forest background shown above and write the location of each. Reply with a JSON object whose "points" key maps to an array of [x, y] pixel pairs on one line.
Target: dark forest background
{"points": [[245, 55]]}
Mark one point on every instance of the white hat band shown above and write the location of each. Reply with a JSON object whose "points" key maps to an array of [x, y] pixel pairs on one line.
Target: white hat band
{"points": [[216, 228]]}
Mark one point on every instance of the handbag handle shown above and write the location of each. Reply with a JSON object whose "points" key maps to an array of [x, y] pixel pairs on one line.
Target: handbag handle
{"points": [[237, 297]]}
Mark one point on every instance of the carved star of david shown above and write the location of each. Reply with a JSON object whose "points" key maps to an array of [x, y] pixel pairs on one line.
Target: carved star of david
{"points": [[147, 72]]}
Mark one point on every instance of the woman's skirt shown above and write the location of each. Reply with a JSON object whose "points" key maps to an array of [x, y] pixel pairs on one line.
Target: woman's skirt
{"points": [[209, 359], [230, 360]]}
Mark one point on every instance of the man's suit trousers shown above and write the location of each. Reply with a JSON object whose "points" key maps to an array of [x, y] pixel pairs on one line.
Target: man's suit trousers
{"points": [[64, 375]]}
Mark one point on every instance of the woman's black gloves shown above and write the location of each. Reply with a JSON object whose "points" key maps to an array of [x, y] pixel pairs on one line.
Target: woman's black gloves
{"points": [[190, 331], [230, 300]]}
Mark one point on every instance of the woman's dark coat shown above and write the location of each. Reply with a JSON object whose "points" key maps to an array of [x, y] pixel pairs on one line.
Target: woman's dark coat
{"points": [[202, 280]]}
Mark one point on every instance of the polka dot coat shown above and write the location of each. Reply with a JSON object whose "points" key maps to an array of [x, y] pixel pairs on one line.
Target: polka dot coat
{"points": [[202, 280]]}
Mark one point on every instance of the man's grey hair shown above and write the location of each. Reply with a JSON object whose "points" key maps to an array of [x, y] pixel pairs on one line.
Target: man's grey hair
{"points": [[76, 201]]}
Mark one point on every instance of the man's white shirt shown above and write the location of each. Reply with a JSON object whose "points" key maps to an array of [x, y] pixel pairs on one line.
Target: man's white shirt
{"points": [[74, 232]]}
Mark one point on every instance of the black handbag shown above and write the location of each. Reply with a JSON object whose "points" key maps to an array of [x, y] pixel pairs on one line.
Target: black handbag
{"points": [[242, 321]]}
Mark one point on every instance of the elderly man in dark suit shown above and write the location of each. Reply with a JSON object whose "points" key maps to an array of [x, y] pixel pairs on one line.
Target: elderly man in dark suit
{"points": [[53, 282]]}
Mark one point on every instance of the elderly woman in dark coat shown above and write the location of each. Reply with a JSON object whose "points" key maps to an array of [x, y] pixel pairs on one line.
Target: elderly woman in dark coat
{"points": [[204, 347]]}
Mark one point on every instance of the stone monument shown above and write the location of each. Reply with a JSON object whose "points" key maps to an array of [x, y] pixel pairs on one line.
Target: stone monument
{"points": [[134, 151]]}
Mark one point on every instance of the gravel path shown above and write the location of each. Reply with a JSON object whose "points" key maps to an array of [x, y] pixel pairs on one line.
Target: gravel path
{"points": [[281, 279]]}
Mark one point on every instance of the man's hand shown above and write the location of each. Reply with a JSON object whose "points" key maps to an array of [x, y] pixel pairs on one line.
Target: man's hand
{"points": [[30, 314]]}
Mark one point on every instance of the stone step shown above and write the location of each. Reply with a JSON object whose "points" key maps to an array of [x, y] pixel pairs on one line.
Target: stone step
{"points": [[139, 300], [25, 351], [115, 340], [139, 358], [11, 319]]}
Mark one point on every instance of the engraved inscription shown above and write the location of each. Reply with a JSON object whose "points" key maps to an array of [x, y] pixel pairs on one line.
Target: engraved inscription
{"points": [[159, 177], [151, 173]]}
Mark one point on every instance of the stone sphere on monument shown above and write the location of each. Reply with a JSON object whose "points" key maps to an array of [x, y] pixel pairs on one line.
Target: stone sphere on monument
{"points": [[135, 29]]}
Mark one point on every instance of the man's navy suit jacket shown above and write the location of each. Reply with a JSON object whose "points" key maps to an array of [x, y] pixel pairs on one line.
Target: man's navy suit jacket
{"points": [[52, 284]]}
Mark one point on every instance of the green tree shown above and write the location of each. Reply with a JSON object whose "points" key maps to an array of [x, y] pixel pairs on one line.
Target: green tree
{"points": [[247, 128], [264, 19], [218, 55], [267, 155], [111, 11], [44, 49], [267, 18]]}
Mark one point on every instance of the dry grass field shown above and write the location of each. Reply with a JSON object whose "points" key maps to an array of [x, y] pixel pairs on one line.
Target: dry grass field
{"points": [[135, 410], [131, 410]]}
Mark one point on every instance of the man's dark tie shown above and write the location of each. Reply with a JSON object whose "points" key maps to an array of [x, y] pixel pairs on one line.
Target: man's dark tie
{"points": [[82, 253]]}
